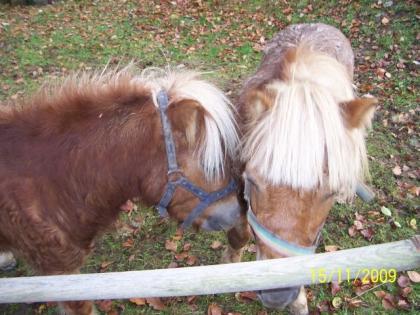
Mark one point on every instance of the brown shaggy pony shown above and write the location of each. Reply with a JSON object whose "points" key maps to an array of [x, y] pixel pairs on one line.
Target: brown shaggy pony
{"points": [[74, 152]]}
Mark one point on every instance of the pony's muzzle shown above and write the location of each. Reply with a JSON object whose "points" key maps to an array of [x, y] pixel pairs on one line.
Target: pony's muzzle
{"points": [[278, 298]]}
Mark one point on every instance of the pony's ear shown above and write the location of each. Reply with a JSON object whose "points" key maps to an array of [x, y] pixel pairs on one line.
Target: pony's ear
{"points": [[358, 112], [258, 102], [187, 117]]}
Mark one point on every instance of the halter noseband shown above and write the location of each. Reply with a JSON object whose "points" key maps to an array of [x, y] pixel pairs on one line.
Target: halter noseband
{"points": [[272, 240], [282, 246], [205, 198]]}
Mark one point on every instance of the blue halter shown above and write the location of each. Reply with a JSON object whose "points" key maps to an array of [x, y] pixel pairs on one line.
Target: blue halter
{"points": [[272, 240], [205, 198]]}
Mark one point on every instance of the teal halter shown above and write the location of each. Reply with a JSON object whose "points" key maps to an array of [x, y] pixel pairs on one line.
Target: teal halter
{"points": [[275, 242], [272, 240]]}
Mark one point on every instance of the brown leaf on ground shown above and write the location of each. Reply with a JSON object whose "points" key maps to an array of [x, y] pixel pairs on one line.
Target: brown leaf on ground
{"points": [[403, 304], [138, 301], [181, 256], [171, 245], [191, 260], [358, 225], [187, 247], [352, 231], [214, 309], [368, 233], [388, 302], [248, 296], [335, 287], [104, 305], [216, 245], [156, 303], [105, 265], [331, 248], [397, 170], [128, 243], [380, 294], [403, 281], [406, 291], [414, 276]]}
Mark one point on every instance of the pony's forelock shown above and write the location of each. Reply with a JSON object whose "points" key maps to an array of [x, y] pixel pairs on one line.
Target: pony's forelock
{"points": [[303, 133]]}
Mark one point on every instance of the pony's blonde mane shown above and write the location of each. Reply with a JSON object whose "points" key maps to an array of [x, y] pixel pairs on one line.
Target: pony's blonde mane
{"points": [[103, 90], [302, 140], [221, 138]]}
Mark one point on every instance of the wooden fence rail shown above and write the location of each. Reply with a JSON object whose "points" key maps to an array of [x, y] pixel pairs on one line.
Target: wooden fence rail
{"points": [[247, 276]]}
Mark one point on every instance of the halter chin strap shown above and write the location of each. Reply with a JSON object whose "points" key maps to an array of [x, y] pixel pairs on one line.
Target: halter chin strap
{"points": [[205, 198]]}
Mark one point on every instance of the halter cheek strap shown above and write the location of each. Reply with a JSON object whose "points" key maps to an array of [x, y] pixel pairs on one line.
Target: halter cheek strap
{"points": [[205, 198]]}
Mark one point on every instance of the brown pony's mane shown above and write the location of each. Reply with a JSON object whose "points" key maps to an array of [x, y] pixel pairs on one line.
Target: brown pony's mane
{"points": [[61, 105]]}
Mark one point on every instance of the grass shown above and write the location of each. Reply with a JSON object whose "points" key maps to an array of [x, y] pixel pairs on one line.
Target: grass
{"points": [[37, 43]]}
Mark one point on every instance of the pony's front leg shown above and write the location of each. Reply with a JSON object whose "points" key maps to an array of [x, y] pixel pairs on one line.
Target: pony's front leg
{"points": [[7, 261], [238, 237]]}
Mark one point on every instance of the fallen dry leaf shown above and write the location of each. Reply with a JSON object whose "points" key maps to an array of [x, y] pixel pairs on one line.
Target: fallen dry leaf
{"points": [[171, 245], [214, 309], [138, 301], [397, 170], [105, 265], [128, 243], [352, 231], [358, 225], [335, 288], [246, 296], [403, 304], [380, 294], [187, 247], [385, 20], [368, 233], [414, 276], [216, 245], [331, 248], [403, 281], [406, 291], [388, 302], [191, 260], [337, 302], [156, 303]]}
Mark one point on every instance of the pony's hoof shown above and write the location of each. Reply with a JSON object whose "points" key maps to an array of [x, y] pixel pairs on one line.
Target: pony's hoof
{"points": [[300, 305], [7, 262], [231, 256]]}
